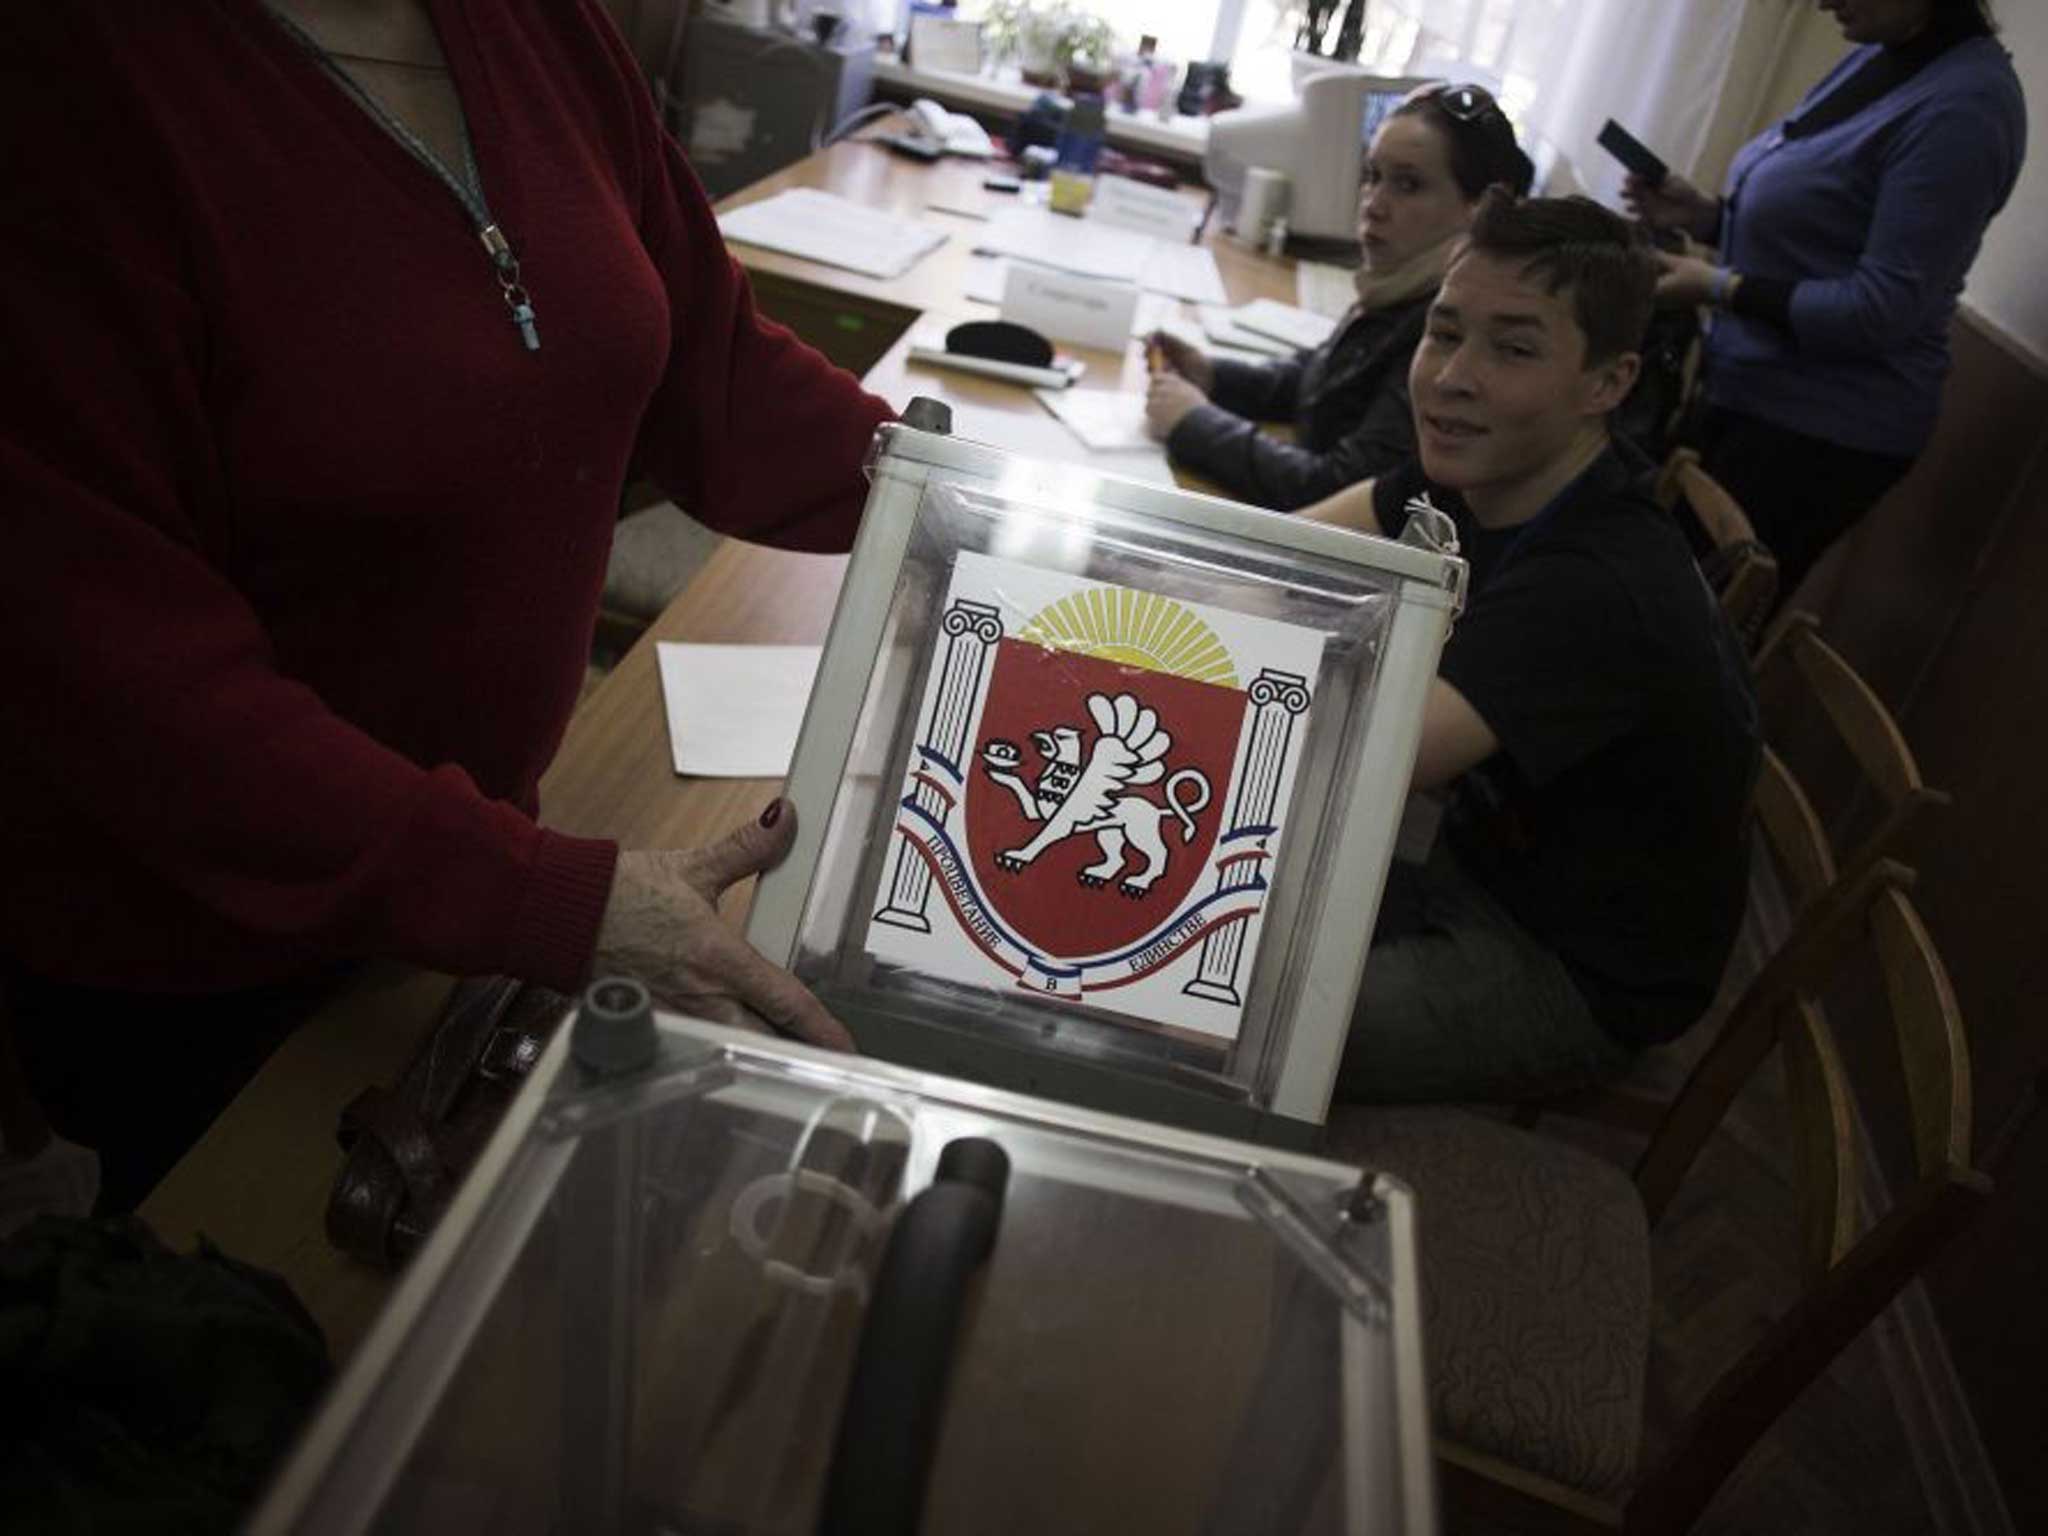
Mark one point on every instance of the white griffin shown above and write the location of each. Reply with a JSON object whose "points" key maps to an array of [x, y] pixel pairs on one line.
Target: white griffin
{"points": [[1071, 797]]}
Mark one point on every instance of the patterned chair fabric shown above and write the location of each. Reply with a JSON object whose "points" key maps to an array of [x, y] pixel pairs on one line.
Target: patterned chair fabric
{"points": [[655, 552], [1535, 1264]]}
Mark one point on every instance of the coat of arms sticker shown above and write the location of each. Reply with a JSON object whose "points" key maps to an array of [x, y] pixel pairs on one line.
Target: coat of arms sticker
{"points": [[1097, 790]]}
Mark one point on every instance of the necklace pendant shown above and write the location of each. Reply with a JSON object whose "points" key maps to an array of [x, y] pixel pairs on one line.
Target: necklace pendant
{"points": [[522, 316]]}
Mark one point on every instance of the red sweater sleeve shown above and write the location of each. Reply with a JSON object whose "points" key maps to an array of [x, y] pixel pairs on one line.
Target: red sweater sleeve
{"points": [[752, 431], [148, 722]]}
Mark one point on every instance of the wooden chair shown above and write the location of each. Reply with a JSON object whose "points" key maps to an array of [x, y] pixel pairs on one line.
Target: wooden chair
{"points": [[1798, 847], [1742, 572], [1856, 718], [1535, 1255]]}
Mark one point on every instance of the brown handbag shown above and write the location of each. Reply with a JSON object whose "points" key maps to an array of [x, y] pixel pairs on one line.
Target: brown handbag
{"points": [[409, 1146]]}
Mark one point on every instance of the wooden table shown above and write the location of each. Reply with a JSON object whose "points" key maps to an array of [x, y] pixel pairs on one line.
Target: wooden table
{"points": [[257, 1182]]}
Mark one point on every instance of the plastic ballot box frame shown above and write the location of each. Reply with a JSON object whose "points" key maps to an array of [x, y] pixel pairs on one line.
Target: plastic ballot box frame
{"points": [[1255, 966], [684, 1297]]}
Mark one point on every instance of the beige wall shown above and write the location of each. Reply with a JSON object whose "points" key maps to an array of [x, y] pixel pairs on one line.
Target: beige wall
{"points": [[2006, 286]]}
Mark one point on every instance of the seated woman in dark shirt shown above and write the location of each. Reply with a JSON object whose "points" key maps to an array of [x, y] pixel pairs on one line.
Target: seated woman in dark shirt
{"points": [[1348, 399]]}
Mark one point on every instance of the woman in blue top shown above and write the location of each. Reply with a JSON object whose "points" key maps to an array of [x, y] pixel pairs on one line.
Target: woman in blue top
{"points": [[1843, 238]]}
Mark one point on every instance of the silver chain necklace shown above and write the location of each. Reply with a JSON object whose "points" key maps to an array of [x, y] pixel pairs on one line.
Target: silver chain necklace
{"points": [[468, 188]]}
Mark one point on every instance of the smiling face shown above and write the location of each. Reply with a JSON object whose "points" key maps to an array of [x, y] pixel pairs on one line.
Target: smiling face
{"points": [[1501, 384], [1879, 21], [1409, 201]]}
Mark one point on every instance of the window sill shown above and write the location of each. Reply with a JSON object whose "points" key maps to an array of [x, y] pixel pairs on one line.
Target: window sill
{"points": [[1183, 138]]}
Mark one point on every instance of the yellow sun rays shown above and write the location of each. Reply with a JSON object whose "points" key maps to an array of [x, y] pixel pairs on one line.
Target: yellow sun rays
{"points": [[1134, 629]]}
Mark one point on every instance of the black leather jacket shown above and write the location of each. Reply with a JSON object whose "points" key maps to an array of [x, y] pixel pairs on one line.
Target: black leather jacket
{"points": [[1348, 400]]}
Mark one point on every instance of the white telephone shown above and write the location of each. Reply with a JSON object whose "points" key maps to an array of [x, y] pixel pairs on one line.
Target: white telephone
{"points": [[954, 132]]}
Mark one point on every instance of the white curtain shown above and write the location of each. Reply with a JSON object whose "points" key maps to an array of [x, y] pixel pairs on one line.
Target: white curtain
{"points": [[1688, 77]]}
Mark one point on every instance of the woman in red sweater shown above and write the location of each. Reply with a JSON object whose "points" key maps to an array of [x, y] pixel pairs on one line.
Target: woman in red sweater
{"points": [[331, 334]]}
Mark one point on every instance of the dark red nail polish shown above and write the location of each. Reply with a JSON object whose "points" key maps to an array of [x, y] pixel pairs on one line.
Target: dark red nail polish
{"points": [[773, 814]]}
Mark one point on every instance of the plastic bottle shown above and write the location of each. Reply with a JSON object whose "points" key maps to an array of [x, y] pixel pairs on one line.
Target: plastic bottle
{"points": [[1080, 146]]}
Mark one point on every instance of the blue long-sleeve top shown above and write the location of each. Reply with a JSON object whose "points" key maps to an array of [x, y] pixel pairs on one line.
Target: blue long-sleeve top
{"points": [[1873, 223]]}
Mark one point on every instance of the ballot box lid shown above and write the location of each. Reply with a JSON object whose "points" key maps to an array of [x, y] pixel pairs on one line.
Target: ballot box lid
{"points": [[1099, 783], [753, 1287]]}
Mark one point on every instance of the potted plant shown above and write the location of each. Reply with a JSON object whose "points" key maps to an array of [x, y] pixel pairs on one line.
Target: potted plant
{"points": [[1087, 51], [1056, 46]]}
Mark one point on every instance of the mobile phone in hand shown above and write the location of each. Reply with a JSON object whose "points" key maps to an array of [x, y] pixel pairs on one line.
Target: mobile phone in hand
{"points": [[1633, 153]]}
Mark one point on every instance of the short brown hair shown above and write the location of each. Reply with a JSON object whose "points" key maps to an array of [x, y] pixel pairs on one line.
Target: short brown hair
{"points": [[1572, 244]]}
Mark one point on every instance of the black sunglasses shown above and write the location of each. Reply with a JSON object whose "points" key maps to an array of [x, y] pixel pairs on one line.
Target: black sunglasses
{"points": [[1460, 103]]}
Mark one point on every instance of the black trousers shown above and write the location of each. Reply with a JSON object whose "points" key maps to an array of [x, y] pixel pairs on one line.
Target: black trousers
{"points": [[1801, 492], [139, 1077]]}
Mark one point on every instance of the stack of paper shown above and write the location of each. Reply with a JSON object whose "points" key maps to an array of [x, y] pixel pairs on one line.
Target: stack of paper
{"points": [[1283, 322], [820, 227], [1220, 326]]}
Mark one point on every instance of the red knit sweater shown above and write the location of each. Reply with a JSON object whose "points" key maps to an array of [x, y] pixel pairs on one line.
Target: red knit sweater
{"points": [[300, 549]]}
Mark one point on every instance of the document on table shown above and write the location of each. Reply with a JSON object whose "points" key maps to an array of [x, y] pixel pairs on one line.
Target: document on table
{"points": [[1184, 272], [1098, 250], [1037, 435], [1220, 326], [820, 227], [1296, 327], [1105, 420], [734, 710]]}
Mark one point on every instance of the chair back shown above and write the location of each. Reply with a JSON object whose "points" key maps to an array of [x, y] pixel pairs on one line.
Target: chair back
{"points": [[1857, 718], [1793, 834], [1850, 1276], [1742, 572]]}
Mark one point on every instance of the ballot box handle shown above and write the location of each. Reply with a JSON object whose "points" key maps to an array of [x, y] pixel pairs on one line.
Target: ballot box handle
{"points": [[897, 1397]]}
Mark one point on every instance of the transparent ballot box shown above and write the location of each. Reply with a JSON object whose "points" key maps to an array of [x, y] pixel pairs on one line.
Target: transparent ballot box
{"points": [[756, 1289], [1099, 782]]}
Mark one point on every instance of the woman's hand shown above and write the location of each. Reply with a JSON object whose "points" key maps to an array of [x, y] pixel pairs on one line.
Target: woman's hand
{"points": [[662, 926], [1191, 363], [1686, 280], [1168, 398], [1674, 203]]}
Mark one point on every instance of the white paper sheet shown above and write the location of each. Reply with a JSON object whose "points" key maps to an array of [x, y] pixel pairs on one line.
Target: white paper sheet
{"points": [[1037, 434], [1296, 327], [1184, 272], [734, 710], [1105, 420], [1068, 244], [820, 227], [1220, 326]]}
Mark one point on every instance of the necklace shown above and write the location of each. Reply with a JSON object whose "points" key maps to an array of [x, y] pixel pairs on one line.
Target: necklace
{"points": [[468, 188]]}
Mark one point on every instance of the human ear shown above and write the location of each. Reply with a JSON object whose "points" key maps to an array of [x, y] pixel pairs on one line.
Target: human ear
{"points": [[1610, 382]]}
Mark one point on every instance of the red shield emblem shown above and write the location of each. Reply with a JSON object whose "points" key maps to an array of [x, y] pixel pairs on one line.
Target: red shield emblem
{"points": [[1094, 795]]}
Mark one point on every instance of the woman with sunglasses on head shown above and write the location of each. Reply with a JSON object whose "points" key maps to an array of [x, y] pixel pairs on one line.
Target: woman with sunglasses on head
{"points": [[1425, 171], [1841, 245]]}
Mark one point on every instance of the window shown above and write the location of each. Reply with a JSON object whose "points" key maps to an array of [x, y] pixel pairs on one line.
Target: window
{"points": [[1502, 44]]}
